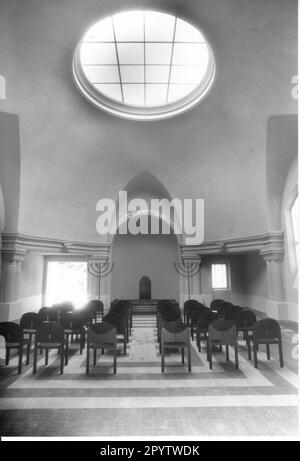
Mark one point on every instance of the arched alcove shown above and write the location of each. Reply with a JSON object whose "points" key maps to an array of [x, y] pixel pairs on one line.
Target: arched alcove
{"points": [[145, 254], [136, 255]]}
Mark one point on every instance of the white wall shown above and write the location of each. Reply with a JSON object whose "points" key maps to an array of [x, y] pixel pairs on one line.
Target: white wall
{"points": [[151, 255]]}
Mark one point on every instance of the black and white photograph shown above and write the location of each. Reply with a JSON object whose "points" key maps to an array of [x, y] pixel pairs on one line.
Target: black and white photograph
{"points": [[149, 223]]}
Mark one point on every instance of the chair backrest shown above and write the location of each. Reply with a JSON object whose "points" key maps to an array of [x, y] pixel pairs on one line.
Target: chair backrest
{"points": [[50, 332], [30, 320], [245, 319], [49, 313], [214, 305], [11, 331], [223, 331], [96, 305], [72, 321], [87, 314], [231, 313], [63, 308], [204, 319], [197, 312], [190, 304], [225, 308], [267, 329], [117, 320], [175, 332], [170, 315], [100, 333]]}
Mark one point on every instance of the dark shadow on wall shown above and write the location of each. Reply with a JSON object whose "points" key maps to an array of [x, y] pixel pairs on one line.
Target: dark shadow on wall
{"points": [[282, 147], [10, 168]]}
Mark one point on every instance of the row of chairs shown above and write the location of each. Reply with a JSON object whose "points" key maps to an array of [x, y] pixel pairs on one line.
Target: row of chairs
{"points": [[224, 316], [53, 327]]}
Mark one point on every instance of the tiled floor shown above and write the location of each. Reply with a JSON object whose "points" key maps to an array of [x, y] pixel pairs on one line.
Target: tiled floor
{"points": [[140, 401]]}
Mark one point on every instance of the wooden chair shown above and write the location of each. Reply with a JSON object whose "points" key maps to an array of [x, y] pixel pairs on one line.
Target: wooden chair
{"points": [[48, 336], [29, 323], [267, 331], [73, 325], [167, 315], [222, 333], [101, 336], [195, 314], [124, 308], [14, 339], [202, 327], [188, 307], [244, 322], [97, 307], [119, 321], [176, 335]]}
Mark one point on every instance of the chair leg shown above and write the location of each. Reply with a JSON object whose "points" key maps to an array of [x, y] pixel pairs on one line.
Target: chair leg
{"points": [[227, 352], [20, 358], [87, 358], [189, 358], [35, 352], [124, 344], [280, 354], [81, 342], [255, 353], [115, 360], [62, 358], [7, 356], [182, 355], [95, 356], [66, 350], [46, 356], [162, 359], [268, 351], [207, 348], [28, 353], [236, 355], [210, 355]]}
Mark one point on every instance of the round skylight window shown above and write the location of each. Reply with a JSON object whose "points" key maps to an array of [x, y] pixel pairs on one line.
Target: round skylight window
{"points": [[143, 65]]}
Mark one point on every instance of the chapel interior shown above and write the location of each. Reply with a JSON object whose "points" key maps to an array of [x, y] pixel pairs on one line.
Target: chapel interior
{"points": [[148, 334]]}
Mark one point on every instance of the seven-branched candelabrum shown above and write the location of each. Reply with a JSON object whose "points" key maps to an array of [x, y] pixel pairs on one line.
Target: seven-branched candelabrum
{"points": [[100, 270], [187, 270]]}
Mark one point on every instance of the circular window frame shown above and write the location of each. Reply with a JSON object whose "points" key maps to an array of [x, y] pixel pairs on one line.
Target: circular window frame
{"points": [[144, 113]]}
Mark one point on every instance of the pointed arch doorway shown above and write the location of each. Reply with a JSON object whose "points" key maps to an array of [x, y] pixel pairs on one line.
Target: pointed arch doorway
{"points": [[145, 287]]}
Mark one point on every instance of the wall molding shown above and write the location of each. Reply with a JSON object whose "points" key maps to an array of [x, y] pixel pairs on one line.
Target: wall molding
{"points": [[269, 244], [15, 246]]}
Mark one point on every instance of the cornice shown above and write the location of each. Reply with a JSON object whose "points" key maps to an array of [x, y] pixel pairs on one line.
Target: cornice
{"points": [[15, 245], [269, 243]]}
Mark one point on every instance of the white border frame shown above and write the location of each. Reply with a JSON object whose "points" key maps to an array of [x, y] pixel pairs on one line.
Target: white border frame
{"points": [[132, 112]]}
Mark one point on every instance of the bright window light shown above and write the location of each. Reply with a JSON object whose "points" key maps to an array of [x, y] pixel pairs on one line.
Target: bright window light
{"points": [[219, 276], [295, 217], [66, 281], [142, 49]]}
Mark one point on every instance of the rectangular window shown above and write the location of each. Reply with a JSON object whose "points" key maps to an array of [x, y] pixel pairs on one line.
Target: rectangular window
{"points": [[219, 276], [66, 281], [294, 214]]}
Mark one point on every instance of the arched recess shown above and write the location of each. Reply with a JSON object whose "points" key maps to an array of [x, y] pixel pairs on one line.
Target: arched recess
{"points": [[144, 186], [282, 148], [153, 255]]}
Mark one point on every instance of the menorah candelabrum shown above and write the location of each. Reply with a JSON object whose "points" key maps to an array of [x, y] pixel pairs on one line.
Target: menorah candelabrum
{"points": [[187, 270], [100, 270]]}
